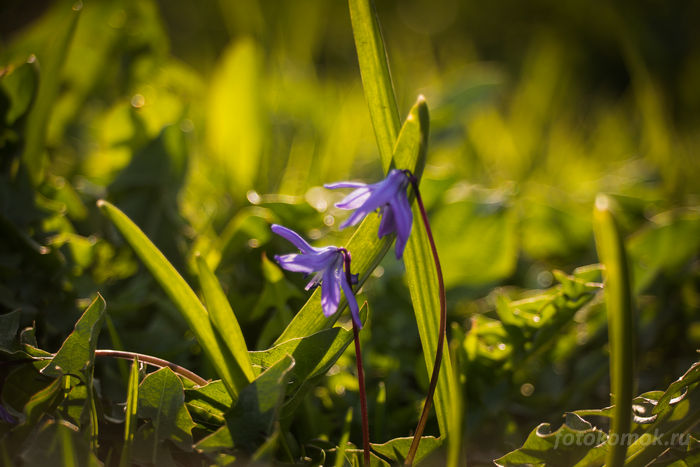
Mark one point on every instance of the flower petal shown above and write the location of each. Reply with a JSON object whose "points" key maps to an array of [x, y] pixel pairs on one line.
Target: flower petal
{"points": [[352, 301], [388, 224], [355, 199], [355, 217], [330, 290], [333, 186], [404, 221], [306, 263], [292, 237]]}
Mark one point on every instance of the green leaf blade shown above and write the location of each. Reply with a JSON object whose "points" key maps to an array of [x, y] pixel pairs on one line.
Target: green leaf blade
{"points": [[161, 398], [252, 420], [177, 289], [77, 354], [49, 86], [618, 299], [224, 322], [376, 77], [131, 418]]}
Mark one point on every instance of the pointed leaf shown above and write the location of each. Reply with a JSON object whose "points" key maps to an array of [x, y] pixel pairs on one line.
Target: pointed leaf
{"points": [[58, 443], [131, 418], [177, 289], [252, 420], [621, 329], [51, 61], [225, 324], [9, 325], [77, 354], [397, 448], [376, 78], [566, 446], [209, 404], [161, 398], [313, 356], [421, 274]]}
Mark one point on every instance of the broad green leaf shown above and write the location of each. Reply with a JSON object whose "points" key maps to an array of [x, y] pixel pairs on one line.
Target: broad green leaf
{"points": [[313, 356], [670, 241], [43, 401], [273, 300], [73, 407], [678, 387], [77, 354], [661, 419], [161, 398], [568, 445], [177, 289], [51, 60], [252, 420], [621, 328], [9, 325], [225, 324], [677, 411], [366, 248], [208, 404], [58, 443], [257, 410], [235, 115], [20, 385], [19, 85], [131, 415], [376, 78], [397, 449], [482, 239]]}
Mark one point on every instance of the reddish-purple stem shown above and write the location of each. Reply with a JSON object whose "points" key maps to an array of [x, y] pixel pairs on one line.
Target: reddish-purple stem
{"points": [[360, 368], [441, 332], [154, 361]]}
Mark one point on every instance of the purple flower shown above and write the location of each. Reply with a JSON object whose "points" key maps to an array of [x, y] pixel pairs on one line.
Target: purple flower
{"points": [[389, 196], [6, 417], [326, 265]]}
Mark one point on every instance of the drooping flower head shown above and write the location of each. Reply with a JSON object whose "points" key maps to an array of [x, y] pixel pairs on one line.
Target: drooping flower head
{"points": [[389, 197], [327, 266]]}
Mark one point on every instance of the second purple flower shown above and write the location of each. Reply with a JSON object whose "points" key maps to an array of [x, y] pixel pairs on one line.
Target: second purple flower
{"points": [[389, 197]]}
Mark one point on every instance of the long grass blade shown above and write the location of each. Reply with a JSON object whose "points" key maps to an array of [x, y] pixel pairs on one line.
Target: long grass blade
{"points": [[225, 323], [177, 289], [420, 271], [618, 300], [376, 77], [51, 62], [421, 275], [343, 443], [130, 420]]}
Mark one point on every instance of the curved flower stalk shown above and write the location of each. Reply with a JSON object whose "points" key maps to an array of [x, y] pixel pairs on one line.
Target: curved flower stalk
{"points": [[330, 267], [326, 265], [389, 197]]}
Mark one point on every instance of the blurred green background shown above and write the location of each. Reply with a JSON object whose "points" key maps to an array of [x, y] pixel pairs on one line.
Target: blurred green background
{"points": [[207, 121]]}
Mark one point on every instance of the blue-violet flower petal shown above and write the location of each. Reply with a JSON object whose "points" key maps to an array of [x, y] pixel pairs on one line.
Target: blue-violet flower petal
{"points": [[326, 265], [389, 197]]}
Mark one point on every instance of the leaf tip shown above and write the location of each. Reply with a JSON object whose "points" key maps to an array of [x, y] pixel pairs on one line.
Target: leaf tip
{"points": [[602, 203]]}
